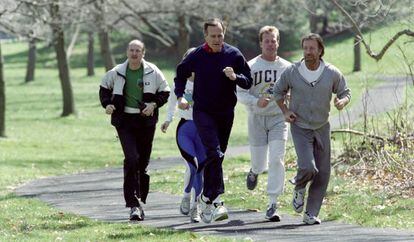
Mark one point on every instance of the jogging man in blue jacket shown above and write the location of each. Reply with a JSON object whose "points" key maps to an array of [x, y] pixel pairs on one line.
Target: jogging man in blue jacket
{"points": [[218, 68]]}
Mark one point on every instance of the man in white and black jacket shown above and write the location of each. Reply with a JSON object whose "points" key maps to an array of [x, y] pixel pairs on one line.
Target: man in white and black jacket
{"points": [[131, 93]]}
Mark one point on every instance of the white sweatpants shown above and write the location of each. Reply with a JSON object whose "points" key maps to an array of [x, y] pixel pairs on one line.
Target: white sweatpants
{"points": [[267, 138], [271, 157]]}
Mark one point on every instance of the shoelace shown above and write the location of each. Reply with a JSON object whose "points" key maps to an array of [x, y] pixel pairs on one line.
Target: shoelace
{"points": [[218, 204], [297, 194]]}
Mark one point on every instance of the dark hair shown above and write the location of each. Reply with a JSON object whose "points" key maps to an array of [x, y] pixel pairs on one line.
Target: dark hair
{"points": [[213, 22], [317, 38], [269, 29]]}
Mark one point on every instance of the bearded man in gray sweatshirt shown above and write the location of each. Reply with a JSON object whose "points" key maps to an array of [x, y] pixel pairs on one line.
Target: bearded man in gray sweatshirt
{"points": [[311, 82]]}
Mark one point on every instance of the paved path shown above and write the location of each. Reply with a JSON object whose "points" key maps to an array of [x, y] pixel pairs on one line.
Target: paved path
{"points": [[98, 195]]}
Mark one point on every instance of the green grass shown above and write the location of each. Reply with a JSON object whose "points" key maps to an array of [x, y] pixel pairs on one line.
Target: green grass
{"points": [[353, 202], [31, 220], [40, 144]]}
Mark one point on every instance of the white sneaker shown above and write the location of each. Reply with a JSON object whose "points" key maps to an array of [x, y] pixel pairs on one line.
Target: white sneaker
{"points": [[195, 213], [206, 211], [220, 212], [310, 219], [298, 199], [185, 205]]}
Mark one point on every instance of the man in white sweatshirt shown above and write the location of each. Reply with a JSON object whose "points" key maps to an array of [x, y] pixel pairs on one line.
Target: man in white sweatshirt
{"points": [[266, 123]]}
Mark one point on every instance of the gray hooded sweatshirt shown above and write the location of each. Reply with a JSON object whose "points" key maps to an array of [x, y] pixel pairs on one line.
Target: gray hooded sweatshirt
{"points": [[311, 102]]}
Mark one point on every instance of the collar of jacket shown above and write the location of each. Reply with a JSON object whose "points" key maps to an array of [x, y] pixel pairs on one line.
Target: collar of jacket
{"points": [[121, 68], [297, 63], [208, 49]]}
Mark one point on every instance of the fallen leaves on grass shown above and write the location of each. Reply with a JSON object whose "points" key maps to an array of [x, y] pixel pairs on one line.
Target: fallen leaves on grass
{"points": [[387, 167]]}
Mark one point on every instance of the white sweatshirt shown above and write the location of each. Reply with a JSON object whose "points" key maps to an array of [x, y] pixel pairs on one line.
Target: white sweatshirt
{"points": [[172, 104], [264, 74]]}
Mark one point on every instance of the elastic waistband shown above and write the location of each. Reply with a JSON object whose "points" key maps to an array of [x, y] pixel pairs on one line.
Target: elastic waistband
{"points": [[131, 110]]}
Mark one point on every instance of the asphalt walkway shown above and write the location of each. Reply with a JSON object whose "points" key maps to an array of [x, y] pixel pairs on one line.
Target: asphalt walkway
{"points": [[98, 195]]}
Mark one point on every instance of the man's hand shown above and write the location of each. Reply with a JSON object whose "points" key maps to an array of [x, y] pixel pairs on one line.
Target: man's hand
{"points": [[340, 103], [289, 116], [287, 97], [183, 104], [229, 72], [110, 108], [149, 109], [263, 102], [164, 126]]}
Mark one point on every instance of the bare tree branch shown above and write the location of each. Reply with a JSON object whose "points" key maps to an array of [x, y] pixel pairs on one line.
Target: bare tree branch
{"points": [[35, 3], [355, 132], [151, 25], [157, 30], [148, 33], [69, 50], [359, 34]]}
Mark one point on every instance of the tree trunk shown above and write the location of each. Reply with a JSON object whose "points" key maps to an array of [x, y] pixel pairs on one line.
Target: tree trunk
{"points": [[313, 23], [357, 54], [183, 42], [31, 61], [104, 41], [2, 99], [106, 53], [324, 30], [91, 64], [64, 76], [313, 18]]}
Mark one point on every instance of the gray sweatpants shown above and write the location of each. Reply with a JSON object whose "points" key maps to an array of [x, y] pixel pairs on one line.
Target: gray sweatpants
{"points": [[313, 150]]}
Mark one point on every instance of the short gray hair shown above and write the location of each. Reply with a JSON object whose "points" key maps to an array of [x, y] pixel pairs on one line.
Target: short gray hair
{"points": [[137, 42]]}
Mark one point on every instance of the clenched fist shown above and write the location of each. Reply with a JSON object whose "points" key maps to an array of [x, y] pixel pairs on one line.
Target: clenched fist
{"points": [[110, 108], [229, 72]]}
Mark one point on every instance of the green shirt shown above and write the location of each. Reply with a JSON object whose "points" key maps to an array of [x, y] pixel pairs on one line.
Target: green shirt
{"points": [[133, 87]]}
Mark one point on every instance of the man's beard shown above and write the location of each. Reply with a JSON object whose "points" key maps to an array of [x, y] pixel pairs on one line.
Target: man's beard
{"points": [[310, 59]]}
